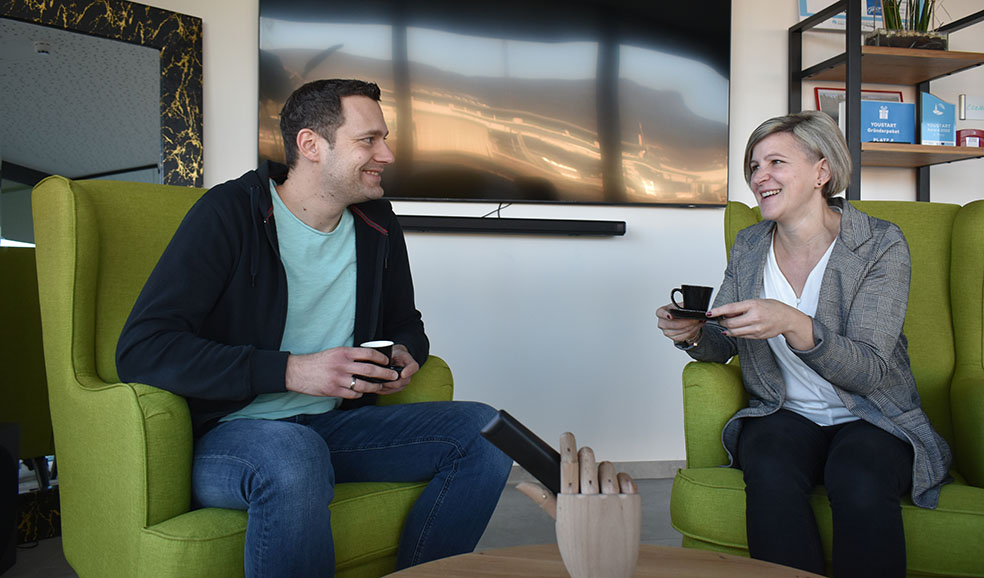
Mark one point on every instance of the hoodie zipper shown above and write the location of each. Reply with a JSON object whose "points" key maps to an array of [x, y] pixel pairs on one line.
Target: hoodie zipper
{"points": [[382, 264]]}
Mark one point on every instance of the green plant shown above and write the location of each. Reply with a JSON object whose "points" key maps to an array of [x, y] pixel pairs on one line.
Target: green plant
{"points": [[919, 14]]}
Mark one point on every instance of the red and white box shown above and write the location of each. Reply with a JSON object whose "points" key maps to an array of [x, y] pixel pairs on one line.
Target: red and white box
{"points": [[970, 137]]}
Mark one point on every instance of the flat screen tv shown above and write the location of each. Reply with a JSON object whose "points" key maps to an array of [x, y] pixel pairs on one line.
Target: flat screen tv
{"points": [[574, 101]]}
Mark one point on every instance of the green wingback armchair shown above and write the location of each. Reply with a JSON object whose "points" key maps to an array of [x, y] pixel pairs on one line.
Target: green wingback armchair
{"points": [[125, 449], [946, 346]]}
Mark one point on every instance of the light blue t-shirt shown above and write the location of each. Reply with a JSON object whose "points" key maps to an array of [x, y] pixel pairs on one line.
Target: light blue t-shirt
{"points": [[321, 277]]}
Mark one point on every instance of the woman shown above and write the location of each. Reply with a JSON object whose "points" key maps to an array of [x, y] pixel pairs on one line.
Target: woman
{"points": [[813, 302]]}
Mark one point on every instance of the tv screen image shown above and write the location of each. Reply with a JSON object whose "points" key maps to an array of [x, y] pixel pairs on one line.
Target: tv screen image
{"points": [[537, 101]]}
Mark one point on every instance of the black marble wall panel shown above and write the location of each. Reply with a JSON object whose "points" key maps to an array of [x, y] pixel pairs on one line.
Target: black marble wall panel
{"points": [[178, 37]]}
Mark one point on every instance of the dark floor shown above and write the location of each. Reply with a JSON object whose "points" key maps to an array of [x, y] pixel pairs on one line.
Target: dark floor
{"points": [[516, 521]]}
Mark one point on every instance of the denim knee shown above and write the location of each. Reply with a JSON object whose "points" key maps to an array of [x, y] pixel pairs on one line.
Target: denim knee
{"points": [[239, 461], [475, 412], [292, 468], [479, 415]]}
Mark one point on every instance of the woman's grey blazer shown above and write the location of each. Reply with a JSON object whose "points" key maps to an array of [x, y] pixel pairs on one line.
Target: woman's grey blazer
{"points": [[860, 347]]}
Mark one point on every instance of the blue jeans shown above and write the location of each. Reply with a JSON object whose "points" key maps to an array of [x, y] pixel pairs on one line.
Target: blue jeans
{"points": [[283, 473]]}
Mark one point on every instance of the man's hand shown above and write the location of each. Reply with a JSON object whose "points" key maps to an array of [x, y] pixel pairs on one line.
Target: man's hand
{"points": [[401, 357], [764, 319], [333, 372]]}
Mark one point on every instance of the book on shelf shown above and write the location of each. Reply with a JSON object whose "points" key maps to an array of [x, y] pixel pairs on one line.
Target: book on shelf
{"points": [[939, 120]]}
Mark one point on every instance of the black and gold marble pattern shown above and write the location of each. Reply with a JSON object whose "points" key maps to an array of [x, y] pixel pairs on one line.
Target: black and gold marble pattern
{"points": [[38, 516], [179, 39]]}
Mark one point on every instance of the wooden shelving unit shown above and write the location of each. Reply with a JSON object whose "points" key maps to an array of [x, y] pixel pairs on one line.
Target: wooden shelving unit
{"points": [[883, 65], [886, 65], [890, 154]]}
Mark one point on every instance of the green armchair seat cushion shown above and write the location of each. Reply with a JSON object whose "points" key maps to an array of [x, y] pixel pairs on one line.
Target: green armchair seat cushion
{"points": [[125, 449], [946, 346], [213, 536], [708, 508]]}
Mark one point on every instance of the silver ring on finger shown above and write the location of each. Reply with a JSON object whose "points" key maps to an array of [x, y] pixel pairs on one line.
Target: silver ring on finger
{"points": [[352, 385]]}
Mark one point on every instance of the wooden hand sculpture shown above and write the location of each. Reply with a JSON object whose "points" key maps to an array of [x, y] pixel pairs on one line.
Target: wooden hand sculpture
{"points": [[598, 513]]}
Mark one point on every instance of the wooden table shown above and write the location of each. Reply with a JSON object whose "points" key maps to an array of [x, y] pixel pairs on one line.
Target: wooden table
{"points": [[543, 561]]}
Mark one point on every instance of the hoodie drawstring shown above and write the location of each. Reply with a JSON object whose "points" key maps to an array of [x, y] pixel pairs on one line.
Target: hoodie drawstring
{"points": [[254, 260]]}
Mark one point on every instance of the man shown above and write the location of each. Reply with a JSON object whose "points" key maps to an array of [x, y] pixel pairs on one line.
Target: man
{"points": [[251, 315]]}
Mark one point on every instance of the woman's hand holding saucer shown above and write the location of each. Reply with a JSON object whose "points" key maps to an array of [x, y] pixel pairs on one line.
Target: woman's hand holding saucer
{"points": [[677, 329], [765, 319]]}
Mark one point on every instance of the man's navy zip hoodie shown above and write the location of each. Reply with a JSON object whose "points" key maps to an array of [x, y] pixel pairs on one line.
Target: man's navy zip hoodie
{"points": [[209, 321]]}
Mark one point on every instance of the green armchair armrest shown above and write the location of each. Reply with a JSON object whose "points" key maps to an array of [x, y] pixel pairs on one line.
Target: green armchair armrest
{"points": [[712, 393], [432, 383]]}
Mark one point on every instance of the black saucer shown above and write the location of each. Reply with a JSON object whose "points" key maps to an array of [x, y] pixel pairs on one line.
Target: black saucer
{"points": [[689, 313], [692, 314]]}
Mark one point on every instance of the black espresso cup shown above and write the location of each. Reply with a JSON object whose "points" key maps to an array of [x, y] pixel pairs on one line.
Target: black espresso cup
{"points": [[695, 297], [386, 348]]}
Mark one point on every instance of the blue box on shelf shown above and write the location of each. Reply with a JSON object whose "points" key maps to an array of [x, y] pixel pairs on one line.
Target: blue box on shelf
{"points": [[888, 121]]}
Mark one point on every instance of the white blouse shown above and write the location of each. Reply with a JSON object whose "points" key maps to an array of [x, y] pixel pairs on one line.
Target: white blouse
{"points": [[807, 393]]}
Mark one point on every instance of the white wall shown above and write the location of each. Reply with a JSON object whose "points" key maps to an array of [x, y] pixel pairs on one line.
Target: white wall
{"points": [[561, 332]]}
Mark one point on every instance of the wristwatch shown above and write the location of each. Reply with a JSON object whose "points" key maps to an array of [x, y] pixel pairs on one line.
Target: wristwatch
{"points": [[687, 345]]}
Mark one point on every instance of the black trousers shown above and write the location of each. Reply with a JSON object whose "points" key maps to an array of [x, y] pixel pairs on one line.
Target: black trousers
{"points": [[865, 471]]}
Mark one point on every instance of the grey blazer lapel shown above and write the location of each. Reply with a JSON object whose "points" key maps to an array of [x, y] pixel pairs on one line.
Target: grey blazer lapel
{"points": [[845, 269]]}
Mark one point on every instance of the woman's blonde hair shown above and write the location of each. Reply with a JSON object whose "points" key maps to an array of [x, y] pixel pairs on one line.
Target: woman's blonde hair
{"points": [[819, 135]]}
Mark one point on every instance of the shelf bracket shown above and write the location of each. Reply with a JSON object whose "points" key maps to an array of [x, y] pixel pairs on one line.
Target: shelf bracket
{"points": [[852, 121]]}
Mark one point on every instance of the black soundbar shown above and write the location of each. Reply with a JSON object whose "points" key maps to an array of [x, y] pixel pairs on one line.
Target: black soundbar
{"points": [[441, 224]]}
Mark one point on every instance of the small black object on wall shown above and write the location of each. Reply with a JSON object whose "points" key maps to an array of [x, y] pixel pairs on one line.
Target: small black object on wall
{"points": [[441, 224]]}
